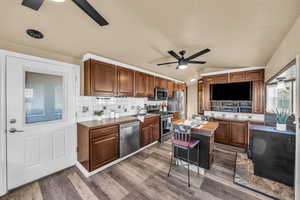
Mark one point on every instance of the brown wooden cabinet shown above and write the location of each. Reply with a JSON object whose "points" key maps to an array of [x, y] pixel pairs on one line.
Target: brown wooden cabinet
{"points": [[146, 135], [238, 134], [170, 88], [99, 79], [150, 131], [222, 132], [258, 97], [180, 86], [206, 93], [161, 83], [200, 105], [125, 82], [140, 84], [232, 132], [221, 79], [255, 75], [150, 85], [97, 146], [237, 77]]}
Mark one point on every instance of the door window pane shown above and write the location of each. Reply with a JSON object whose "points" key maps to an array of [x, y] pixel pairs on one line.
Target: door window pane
{"points": [[44, 99]]}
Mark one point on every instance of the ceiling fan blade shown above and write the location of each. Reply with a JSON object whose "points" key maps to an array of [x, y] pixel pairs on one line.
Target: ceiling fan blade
{"points": [[172, 53], [33, 4], [200, 53], [166, 63], [197, 62], [91, 11]]}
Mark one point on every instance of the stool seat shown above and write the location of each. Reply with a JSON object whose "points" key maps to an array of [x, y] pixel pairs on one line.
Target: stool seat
{"points": [[185, 144]]}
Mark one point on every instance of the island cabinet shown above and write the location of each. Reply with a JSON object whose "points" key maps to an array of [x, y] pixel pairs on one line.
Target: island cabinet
{"points": [[141, 84], [232, 132], [100, 79], [125, 82], [97, 146], [150, 131]]}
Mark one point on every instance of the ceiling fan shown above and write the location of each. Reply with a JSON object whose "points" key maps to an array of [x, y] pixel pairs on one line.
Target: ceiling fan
{"points": [[183, 62], [83, 4]]}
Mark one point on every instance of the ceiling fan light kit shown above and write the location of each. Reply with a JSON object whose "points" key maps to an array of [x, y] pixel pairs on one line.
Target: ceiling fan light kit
{"points": [[183, 62], [59, 1], [182, 66]]}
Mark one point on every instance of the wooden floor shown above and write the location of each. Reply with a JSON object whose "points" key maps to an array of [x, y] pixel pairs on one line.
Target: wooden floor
{"points": [[143, 176]]}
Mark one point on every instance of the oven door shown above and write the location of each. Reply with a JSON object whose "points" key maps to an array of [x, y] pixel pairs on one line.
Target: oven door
{"points": [[161, 94], [166, 126]]}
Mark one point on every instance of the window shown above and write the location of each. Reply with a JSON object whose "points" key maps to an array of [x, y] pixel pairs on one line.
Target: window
{"points": [[281, 92], [44, 99]]}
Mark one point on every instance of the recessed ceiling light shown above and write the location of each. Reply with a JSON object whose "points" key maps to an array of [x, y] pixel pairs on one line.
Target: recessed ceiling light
{"points": [[193, 79], [182, 66], [59, 1], [35, 34]]}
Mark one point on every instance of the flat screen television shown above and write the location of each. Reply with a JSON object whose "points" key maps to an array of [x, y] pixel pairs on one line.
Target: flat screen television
{"points": [[231, 91]]}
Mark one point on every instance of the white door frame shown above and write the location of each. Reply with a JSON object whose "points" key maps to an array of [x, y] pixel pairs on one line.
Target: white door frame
{"points": [[297, 156], [3, 55]]}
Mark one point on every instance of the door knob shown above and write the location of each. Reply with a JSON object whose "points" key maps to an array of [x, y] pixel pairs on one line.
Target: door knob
{"points": [[14, 130]]}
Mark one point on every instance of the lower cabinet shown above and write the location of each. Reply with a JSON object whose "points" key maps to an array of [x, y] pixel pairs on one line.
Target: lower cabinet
{"points": [[97, 146], [222, 133], [238, 134], [146, 135], [232, 132], [150, 131]]}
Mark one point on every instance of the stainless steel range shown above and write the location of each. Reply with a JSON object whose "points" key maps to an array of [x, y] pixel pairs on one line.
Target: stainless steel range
{"points": [[165, 122]]}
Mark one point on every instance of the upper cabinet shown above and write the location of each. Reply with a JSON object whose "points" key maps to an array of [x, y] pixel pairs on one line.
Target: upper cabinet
{"points": [[170, 88], [253, 75], [104, 79], [180, 86], [125, 82], [237, 77], [99, 79], [258, 97], [150, 85], [161, 83], [140, 84]]}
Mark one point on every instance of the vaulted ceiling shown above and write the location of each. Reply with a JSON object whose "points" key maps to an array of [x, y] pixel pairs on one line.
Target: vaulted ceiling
{"points": [[239, 33]]}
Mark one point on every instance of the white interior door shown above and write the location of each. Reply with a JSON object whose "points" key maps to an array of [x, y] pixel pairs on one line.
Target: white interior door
{"points": [[40, 119], [297, 168]]}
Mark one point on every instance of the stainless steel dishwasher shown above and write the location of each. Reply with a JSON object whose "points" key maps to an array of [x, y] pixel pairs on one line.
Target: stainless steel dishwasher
{"points": [[129, 138]]}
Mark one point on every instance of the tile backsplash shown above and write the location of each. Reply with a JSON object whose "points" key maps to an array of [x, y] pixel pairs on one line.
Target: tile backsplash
{"points": [[125, 106]]}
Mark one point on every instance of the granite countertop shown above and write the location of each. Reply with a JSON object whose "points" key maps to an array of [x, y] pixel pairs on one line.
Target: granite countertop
{"points": [[270, 129], [207, 129], [237, 119], [112, 121]]}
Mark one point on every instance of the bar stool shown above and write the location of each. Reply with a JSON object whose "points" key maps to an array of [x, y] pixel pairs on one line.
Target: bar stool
{"points": [[182, 140]]}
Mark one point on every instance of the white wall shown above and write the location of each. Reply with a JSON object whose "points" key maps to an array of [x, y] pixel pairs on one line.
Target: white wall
{"points": [[286, 51], [192, 91]]}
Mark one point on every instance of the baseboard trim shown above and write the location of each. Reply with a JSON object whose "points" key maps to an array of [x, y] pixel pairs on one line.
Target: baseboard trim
{"points": [[87, 174]]}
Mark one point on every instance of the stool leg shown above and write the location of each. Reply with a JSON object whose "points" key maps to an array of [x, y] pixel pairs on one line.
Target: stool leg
{"points": [[171, 160], [189, 167], [198, 152]]}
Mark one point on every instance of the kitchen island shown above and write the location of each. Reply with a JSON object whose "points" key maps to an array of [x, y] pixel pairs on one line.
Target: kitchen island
{"points": [[205, 133]]}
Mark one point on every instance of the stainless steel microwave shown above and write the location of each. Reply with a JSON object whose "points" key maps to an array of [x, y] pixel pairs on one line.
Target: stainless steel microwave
{"points": [[161, 94]]}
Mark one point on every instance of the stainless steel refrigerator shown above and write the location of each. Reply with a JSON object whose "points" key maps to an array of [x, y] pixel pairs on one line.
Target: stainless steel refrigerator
{"points": [[177, 103]]}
